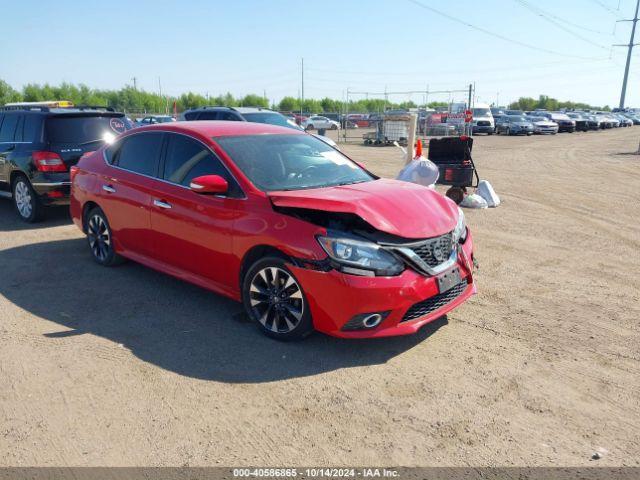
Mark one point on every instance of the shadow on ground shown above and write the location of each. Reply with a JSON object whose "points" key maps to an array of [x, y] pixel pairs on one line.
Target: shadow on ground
{"points": [[55, 216], [169, 323]]}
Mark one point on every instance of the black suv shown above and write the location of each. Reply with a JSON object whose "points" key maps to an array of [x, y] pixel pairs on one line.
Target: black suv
{"points": [[237, 114], [38, 145]]}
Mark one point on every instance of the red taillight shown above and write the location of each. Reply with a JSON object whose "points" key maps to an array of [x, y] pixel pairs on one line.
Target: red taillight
{"points": [[49, 162], [72, 172], [55, 194]]}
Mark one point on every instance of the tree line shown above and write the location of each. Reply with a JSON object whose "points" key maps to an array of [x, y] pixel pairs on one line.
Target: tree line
{"points": [[133, 100]]}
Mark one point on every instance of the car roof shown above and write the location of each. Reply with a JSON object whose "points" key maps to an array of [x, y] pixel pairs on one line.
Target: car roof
{"points": [[252, 110], [217, 128]]}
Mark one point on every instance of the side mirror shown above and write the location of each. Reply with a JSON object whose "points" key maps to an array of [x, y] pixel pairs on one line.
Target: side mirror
{"points": [[214, 184]]}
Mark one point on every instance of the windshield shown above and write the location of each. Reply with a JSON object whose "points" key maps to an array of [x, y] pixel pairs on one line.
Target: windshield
{"points": [[271, 118], [481, 112], [81, 130], [291, 162], [516, 118]]}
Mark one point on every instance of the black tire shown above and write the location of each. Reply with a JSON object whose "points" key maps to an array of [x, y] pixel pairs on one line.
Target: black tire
{"points": [[309, 127], [334, 127], [456, 194], [25, 200], [100, 239], [278, 316]]}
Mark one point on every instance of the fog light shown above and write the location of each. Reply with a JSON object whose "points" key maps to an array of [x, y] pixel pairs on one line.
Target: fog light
{"points": [[365, 321]]}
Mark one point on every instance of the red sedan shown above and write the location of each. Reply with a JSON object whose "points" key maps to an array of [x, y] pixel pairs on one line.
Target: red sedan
{"points": [[305, 237]]}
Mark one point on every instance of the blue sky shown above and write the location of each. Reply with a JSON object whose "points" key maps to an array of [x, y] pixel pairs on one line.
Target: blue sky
{"points": [[254, 46]]}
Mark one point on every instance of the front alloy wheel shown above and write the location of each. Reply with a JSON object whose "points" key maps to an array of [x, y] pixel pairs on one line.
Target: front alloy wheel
{"points": [[274, 299]]}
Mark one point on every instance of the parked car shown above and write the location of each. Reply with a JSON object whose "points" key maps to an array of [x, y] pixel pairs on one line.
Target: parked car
{"points": [[624, 121], [153, 119], [565, 124], [38, 144], [318, 122], [515, 125], [608, 120], [514, 113], [275, 218], [275, 118], [580, 121], [631, 116], [542, 125], [482, 120], [237, 114], [593, 121]]}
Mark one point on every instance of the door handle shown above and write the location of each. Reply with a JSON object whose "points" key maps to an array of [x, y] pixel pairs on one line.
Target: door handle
{"points": [[108, 188], [161, 204]]}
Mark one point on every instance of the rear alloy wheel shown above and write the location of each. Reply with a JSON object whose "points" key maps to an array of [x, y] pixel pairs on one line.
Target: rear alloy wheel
{"points": [[100, 239], [26, 201], [274, 299]]}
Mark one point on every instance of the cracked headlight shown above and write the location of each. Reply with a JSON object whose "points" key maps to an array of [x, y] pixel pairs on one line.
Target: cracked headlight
{"points": [[360, 257], [460, 232]]}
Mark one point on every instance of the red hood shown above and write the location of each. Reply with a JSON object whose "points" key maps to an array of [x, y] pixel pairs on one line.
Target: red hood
{"points": [[399, 208]]}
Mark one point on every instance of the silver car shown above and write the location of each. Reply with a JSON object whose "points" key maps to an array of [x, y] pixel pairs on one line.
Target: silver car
{"points": [[542, 125]]}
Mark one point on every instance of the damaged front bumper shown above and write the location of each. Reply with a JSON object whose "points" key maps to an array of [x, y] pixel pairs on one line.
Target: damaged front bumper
{"points": [[405, 302]]}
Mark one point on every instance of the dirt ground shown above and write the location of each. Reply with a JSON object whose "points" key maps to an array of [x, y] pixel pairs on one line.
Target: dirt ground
{"points": [[126, 366]]}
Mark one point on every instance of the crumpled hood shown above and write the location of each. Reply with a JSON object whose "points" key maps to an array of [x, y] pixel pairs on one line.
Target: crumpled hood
{"points": [[392, 206]]}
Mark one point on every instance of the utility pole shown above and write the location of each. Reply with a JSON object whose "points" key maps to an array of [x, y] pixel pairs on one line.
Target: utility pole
{"points": [[623, 94], [135, 83]]}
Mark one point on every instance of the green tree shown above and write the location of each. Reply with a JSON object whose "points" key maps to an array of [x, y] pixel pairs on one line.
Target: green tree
{"points": [[252, 100], [8, 94], [289, 104]]}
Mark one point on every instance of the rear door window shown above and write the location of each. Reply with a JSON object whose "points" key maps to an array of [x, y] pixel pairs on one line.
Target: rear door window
{"points": [[208, 116], [32, 131], [140, 153], [79, 130], [8, 129]]}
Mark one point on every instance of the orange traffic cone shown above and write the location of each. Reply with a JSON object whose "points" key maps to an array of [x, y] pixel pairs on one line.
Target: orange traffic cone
{"points": [[418, 148]]}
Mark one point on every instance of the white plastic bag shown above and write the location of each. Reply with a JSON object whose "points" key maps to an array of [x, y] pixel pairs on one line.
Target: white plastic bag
{"points": [[474, 201], [486, 191], [420, 171]]}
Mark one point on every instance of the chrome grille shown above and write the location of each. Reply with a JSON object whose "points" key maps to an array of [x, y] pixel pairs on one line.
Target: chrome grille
{"points": [[434, 251], [432, 304]]}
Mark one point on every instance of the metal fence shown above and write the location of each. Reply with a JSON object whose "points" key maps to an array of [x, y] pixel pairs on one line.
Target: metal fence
{"points": [[388, 125]]}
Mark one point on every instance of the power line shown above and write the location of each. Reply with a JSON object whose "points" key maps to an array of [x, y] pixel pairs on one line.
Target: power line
{"points": [[494, 34], [606, 7], [555, 20]]}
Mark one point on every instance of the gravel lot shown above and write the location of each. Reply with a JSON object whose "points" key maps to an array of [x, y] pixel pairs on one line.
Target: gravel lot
{"points": [[126, 366]]}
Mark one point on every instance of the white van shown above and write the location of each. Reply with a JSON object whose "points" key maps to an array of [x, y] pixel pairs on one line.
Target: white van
{"points": [[482, 119]]}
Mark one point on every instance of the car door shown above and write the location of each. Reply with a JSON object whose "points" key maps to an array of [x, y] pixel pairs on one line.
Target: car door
{"points": [[125, 189], [193, 232], [7, 143]]}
